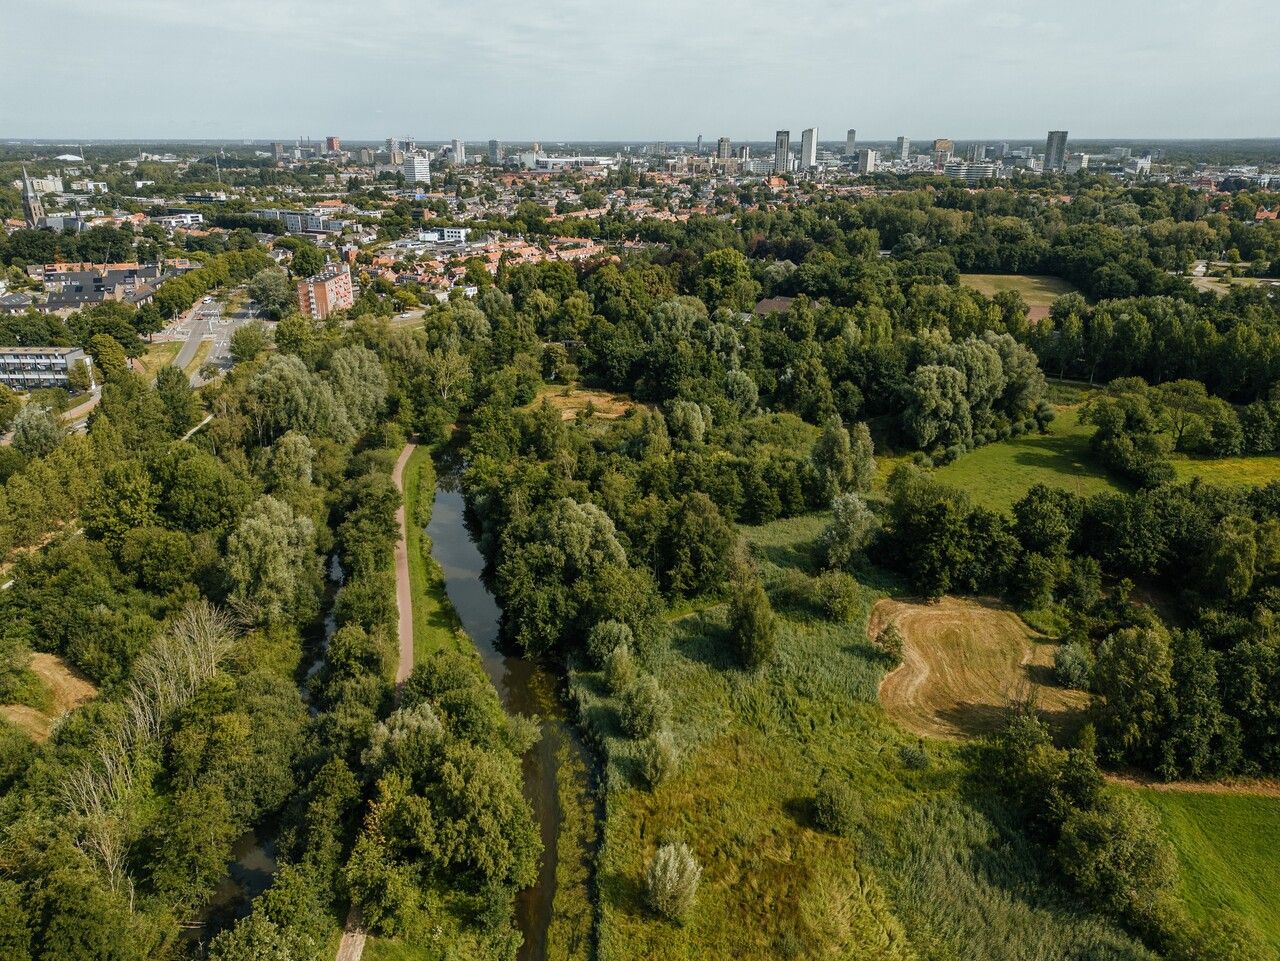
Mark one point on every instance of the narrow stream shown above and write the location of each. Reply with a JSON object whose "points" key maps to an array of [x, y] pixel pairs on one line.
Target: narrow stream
{"points": [[525, 688]]}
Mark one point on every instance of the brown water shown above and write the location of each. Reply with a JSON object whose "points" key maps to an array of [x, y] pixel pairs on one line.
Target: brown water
{"points": [[525, 688]]}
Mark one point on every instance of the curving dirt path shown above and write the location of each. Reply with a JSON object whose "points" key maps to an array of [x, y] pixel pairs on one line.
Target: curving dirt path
{"points": [[404, 591]]}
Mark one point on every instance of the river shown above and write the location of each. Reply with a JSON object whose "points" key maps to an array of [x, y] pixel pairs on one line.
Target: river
{"points": [[525, 688]]}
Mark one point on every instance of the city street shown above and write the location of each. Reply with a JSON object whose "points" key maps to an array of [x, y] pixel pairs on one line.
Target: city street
{"points": [[207, 322]]}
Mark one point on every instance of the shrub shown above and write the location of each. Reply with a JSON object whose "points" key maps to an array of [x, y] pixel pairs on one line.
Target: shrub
{"points": [[838, 593], [1073, 666], [752, 623], [620, 670], [914, 757], [671, 882], [645, 707], [890, 641], [659, 757], [836, 807], [605, 638]]}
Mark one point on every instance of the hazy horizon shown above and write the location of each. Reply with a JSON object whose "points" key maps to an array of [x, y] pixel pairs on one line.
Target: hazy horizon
{"points": [[568, 71]]}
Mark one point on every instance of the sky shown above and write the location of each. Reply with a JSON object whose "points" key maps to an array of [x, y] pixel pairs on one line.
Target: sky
{"points": [[638, 70]]}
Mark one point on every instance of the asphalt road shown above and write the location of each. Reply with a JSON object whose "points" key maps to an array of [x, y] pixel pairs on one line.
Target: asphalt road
{"points": [[208, 321]]}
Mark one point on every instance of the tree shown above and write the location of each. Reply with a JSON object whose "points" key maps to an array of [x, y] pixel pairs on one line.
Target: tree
{"points": [[1134, 676], [179, 399], [937, 411], [671, 882], [360, 384], [272, 292], [645, 707], [108, 356], [269, 557], [10, 404], [36, 431], [308, 260], [249, 341], [696, 546], [724, 280], [752, 624], [851, 530]]}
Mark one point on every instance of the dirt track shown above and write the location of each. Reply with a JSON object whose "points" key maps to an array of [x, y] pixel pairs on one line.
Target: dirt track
{"points": [[963, 664], [68, 689], [404, 590]]}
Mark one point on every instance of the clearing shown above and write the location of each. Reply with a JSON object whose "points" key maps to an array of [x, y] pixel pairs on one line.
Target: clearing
{"points": [[604, 403], [963, 665], [1039, 291], [915, 880], [1228, 847], [998, 474], [1256, 471], [159, 355], [67, 689]]}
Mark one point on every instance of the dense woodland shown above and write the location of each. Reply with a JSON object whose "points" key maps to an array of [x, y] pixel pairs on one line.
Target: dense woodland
{"points": [[187, 579]]}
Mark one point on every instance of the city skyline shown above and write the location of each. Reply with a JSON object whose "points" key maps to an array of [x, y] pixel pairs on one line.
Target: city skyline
{"points": [[224, 78]]}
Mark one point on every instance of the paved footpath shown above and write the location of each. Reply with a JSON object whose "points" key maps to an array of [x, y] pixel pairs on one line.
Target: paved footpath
{"points": [[404, 590]]}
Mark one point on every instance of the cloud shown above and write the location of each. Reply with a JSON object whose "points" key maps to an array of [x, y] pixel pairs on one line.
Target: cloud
{"points": [[659, 69]]}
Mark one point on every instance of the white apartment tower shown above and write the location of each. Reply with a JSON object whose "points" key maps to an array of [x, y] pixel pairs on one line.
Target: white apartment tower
{"points": [[904, 148], [809, 149], [417, 169], [867, 160]]}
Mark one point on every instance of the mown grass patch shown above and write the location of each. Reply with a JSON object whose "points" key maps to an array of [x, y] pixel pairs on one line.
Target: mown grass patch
{"points": [[1036, 290], [934, 867], [999, 474], [1228, 847], [1253, 471], [435, 623], [159, 356]]}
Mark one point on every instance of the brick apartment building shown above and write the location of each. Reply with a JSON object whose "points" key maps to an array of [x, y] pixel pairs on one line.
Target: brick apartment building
{"points": [[326, 292]]}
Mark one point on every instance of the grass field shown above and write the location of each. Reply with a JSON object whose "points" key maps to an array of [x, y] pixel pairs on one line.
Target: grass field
{"points": [[602, 402], [65, 689], [159, 355], [964, 664], [1257, 471], [201, 355], [936, 869], [1037, 291], [1228, 847], [998, 474], [435, 624]]}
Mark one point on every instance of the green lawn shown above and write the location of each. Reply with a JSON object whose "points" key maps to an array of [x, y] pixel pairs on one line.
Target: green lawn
{"points": [[435, 624], [1257, 471], [1037, 291], [998, 474], [1229, 850], [936, 868]]}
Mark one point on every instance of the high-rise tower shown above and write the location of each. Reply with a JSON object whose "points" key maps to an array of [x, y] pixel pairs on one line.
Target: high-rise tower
{"points": [[1055, 150], [32, 208]]}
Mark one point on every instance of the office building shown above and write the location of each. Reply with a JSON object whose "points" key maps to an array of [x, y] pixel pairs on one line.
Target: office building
{"points": [[496, 153], [277, 151], [326, 292], [699, 150], [867, 160], [809, 149], [724, 149], [332, 144], [366, 155], [971, 172], [1075, 163], [943, 148], [31, 368], [904, 148], [782, 151], [850, 144], [417, 169], [32, 207], [1055, 151], [744, 152], [459, 152]]}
